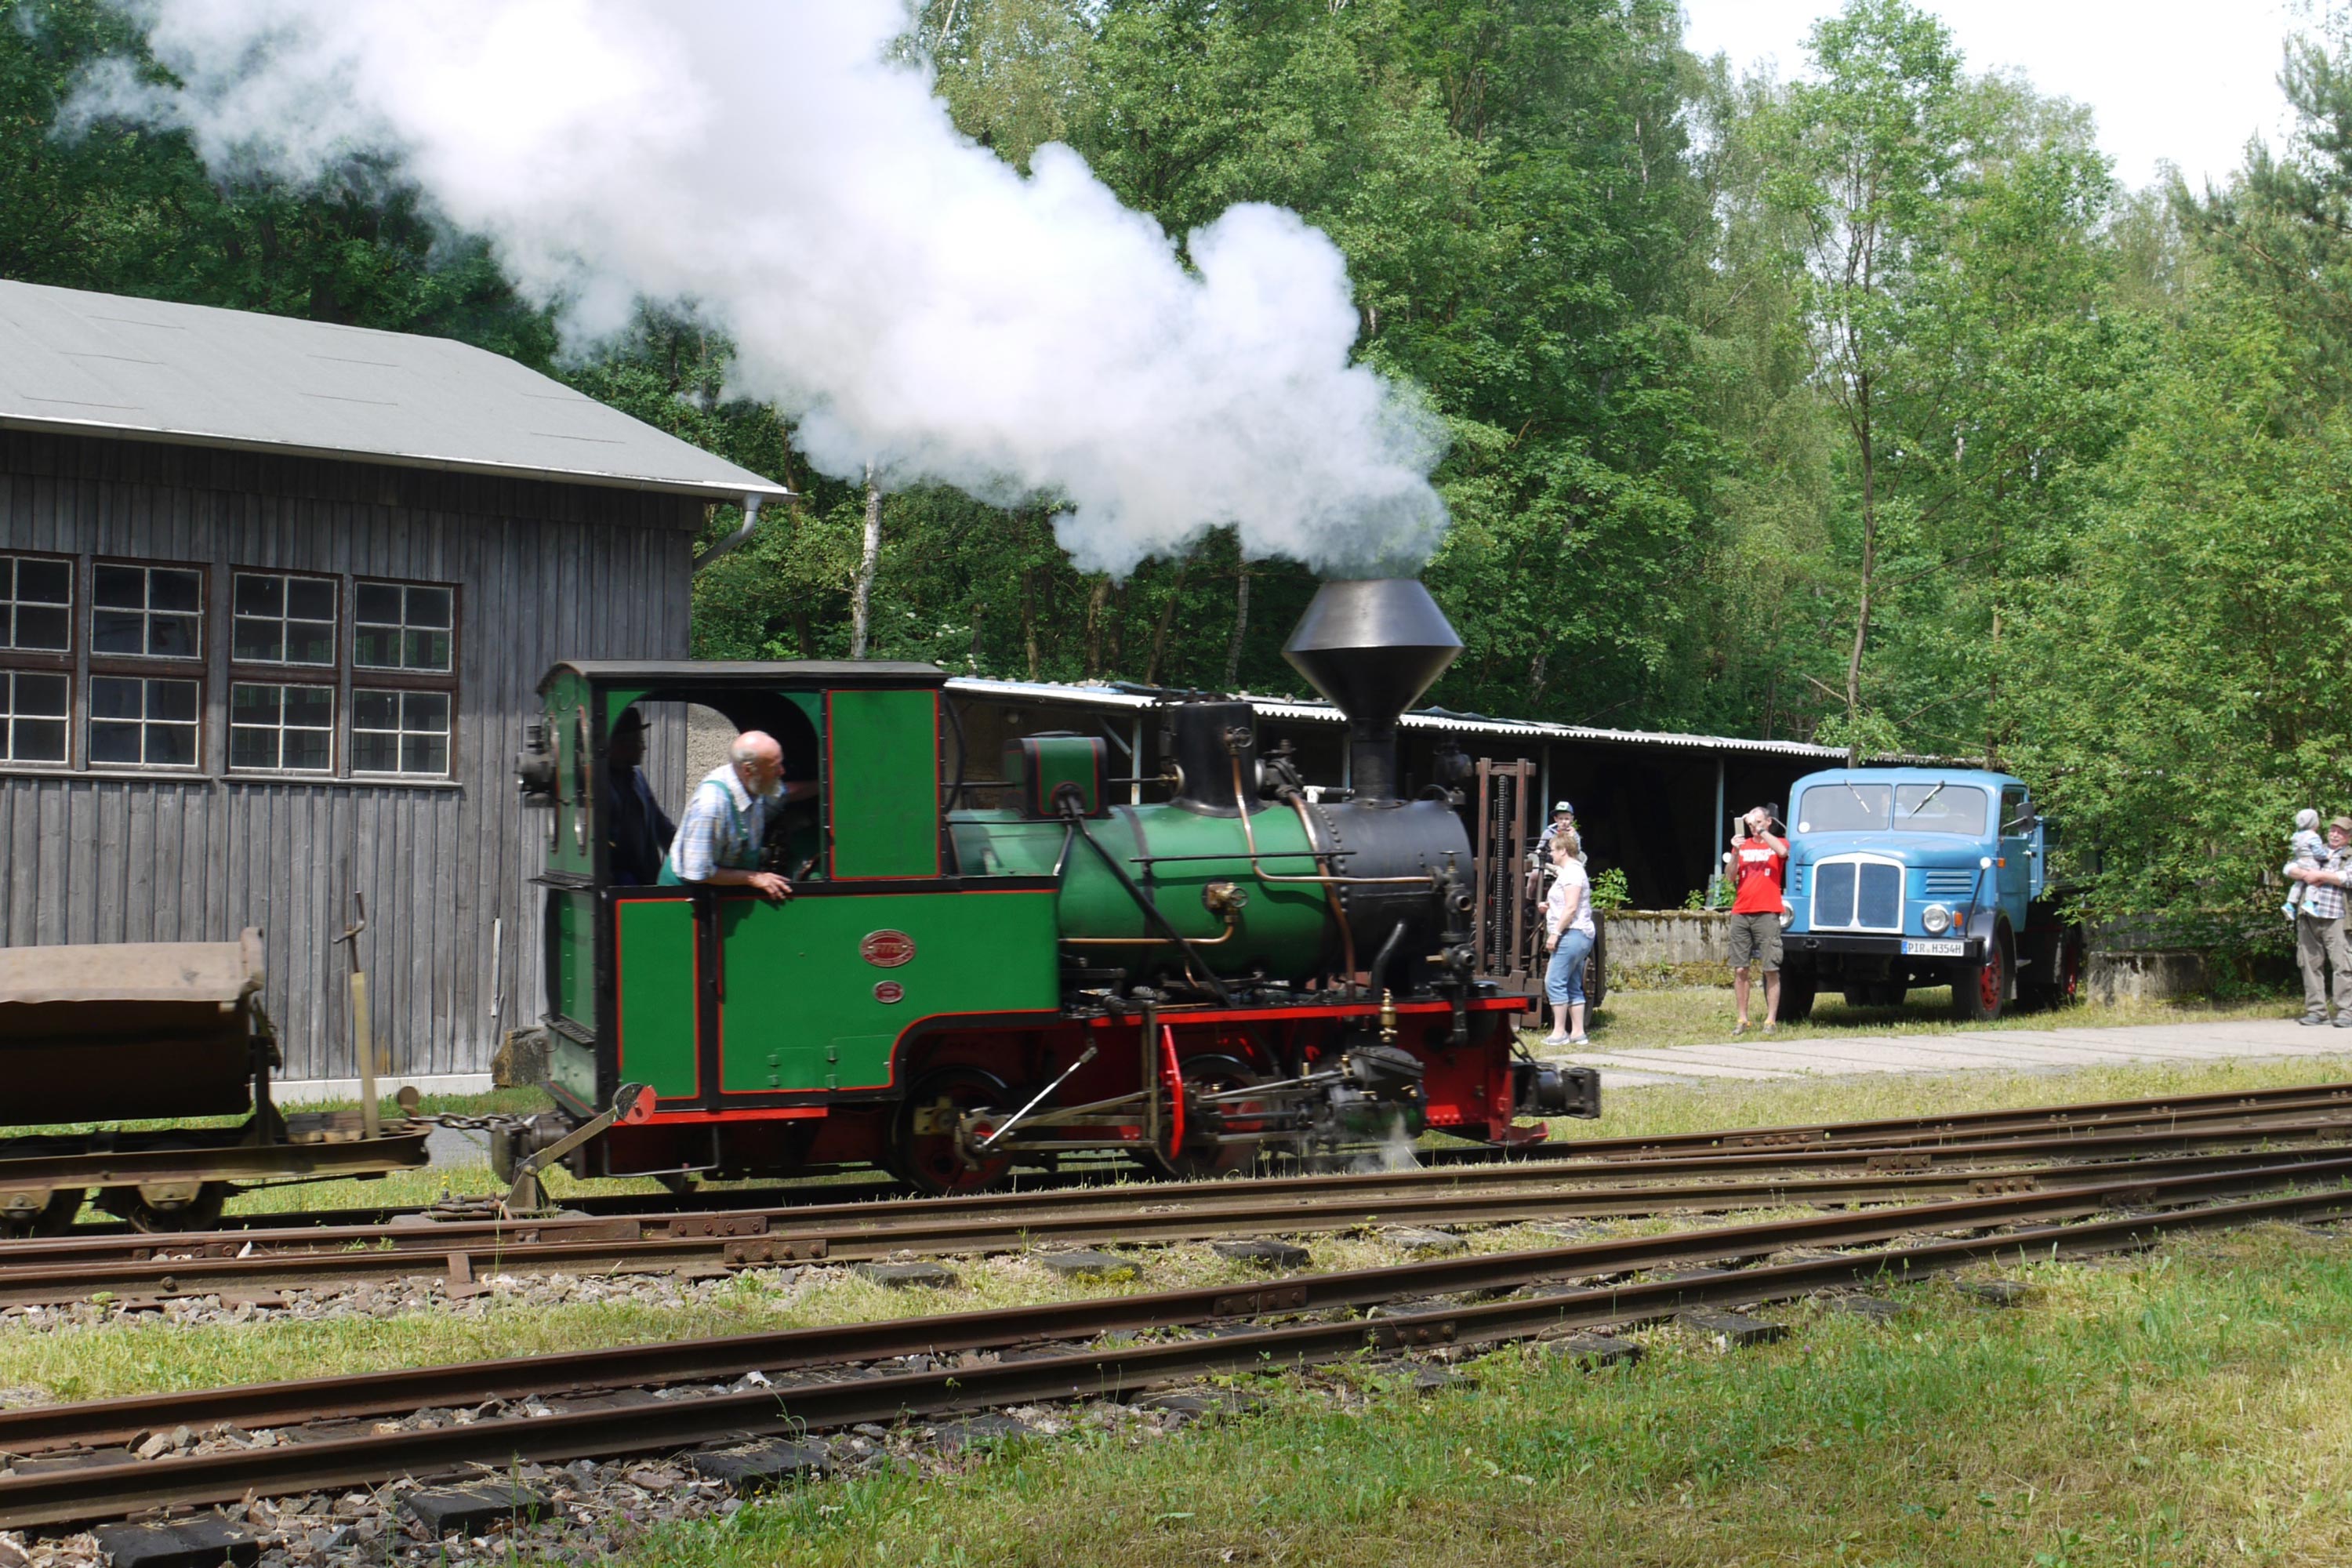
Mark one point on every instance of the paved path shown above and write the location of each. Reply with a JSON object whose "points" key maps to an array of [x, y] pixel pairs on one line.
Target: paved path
{"points": [[2008, 1050]]}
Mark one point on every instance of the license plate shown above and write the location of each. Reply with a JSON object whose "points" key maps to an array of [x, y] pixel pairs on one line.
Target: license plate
{"points": [[1916, 947]]}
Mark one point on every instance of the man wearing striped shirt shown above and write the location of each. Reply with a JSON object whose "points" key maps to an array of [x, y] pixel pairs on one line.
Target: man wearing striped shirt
{"points": [[2319, 930]]}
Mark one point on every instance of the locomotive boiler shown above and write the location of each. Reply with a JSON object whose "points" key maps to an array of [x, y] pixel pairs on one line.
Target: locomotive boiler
{"points": [[955, 988]]}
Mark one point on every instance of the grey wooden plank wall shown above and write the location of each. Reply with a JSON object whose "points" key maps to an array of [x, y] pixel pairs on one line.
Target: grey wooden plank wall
{"points": [[545, 571]]}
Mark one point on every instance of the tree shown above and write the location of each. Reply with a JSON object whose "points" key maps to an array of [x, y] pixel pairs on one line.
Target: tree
{"points": [[1866, 156]]}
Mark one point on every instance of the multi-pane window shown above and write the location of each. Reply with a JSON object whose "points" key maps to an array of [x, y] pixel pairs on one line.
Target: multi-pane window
{"points": [[400, 731], [146, 611], [104, 664], [286, 728], [143, 721], [280, 618], [402, 625], [35, 604], [33, 716], [36, 594]]}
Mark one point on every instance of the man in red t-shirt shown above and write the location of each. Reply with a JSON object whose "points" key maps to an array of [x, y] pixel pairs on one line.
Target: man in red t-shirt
{"points": [[1759, 866]]}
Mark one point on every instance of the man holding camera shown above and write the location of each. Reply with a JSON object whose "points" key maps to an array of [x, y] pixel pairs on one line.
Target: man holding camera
{"points": [[1759, 866]]}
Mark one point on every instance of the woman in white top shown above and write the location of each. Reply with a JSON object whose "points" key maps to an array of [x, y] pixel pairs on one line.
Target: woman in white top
{"points": [[1568, 934]]}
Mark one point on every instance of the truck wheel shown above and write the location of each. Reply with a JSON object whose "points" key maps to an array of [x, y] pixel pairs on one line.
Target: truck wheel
{"points": [[1799, 984], [2059, 979], [1596, 969], [1979, 990]]}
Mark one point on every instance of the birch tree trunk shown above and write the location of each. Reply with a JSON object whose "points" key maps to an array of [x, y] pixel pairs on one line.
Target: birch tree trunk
{"points": [[1241, 625], [861, 603]]}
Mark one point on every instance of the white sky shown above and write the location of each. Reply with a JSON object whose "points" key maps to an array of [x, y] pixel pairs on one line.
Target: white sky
{"points": [[2187, 81]]}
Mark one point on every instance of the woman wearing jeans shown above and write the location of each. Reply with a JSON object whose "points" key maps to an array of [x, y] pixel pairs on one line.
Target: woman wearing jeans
{"points": [[1569, 934]]}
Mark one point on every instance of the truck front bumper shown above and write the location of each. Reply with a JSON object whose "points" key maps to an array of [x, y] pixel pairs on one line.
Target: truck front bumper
{"points": [[1794, 943]]}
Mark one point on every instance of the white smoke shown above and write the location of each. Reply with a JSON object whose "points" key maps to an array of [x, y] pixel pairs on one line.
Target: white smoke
{"points": [[917, 304]]}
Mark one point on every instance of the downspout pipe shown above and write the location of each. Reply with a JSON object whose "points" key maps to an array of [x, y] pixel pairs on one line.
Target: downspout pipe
{"points": [[734, 540]]}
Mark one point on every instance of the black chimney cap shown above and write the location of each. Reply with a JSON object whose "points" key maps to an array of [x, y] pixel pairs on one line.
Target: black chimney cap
{"points": [[1373, 645]]}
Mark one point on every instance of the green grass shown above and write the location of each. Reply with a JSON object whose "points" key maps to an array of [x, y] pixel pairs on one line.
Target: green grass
{"points": [[2191, 1406], [1704, 1015], [146, 1352], [1696, 1017]]}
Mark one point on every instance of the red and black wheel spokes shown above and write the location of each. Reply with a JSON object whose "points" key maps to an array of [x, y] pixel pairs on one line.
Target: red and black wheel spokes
{"points": [[942, 1126]]}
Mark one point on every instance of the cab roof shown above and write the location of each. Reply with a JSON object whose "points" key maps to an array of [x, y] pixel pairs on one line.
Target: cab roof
{"points": [[1982, 777], [807, 672]]}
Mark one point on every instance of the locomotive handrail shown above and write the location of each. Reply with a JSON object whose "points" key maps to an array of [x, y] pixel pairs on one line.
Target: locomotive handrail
{"points": [[1249, 837], [1233, 921], [1274, 854]]}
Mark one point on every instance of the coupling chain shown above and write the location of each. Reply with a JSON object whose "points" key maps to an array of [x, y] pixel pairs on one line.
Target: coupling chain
{"points": [[490, 1121]]}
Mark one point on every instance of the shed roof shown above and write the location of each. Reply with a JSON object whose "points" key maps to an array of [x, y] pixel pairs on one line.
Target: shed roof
{"points": [[104, 365], [1434, 719]]}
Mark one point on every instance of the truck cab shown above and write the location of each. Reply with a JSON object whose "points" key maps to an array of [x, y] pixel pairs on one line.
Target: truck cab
{"points": [[1904, 877]]}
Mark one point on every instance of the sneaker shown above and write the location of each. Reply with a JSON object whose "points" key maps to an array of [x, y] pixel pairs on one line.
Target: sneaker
{"points": [[1579, 1040], [2310, 1019], [1740, 1027], [1557, 1040], [2344, 1018]]}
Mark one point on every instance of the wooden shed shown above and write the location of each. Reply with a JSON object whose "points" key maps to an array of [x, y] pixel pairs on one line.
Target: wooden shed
{"points": [[275, 599]]}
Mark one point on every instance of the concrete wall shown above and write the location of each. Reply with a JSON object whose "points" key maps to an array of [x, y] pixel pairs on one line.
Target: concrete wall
{"points": [[1667, 947], [1678, 947], [2143, 976]]}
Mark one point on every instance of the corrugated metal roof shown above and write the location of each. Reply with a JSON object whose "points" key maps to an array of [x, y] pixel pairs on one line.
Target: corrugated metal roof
{"points": [[1079, 696], [1433, 718], [103, 364]]}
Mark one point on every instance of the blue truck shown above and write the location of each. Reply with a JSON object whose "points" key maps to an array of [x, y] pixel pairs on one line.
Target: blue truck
{"points": [[1904, 877]]}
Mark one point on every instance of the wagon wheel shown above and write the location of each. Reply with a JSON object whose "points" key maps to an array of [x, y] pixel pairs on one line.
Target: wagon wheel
{"points": [[1199, 1159], [201, 1211], [923, 1151], [53, 1218]]}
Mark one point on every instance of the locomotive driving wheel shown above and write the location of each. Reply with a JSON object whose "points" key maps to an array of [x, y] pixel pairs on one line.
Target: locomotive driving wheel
{"points": [[927, 1148], [1200, 1158]]}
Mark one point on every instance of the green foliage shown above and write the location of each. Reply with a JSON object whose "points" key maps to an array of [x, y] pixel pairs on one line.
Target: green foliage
{"points": [[130, 211], [1610, 890]]}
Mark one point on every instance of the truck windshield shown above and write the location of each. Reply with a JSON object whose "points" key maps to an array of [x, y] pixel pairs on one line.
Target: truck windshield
{"points": [[1940, 809], [1916, 807]]}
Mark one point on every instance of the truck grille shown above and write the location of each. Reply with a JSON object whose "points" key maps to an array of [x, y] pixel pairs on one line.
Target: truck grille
{"points": [[1857, 895], [1956, 884]]}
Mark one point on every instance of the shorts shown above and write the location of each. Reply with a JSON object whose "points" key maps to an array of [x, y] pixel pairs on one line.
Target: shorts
{"points": [[1756, 942]]}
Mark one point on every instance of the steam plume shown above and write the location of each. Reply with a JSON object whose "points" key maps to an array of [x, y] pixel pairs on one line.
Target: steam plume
{"points": [[916, 303]]}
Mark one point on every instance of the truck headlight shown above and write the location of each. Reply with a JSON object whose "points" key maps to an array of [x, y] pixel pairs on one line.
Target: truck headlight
{"points": [[1937, 919], [1788, 917]]}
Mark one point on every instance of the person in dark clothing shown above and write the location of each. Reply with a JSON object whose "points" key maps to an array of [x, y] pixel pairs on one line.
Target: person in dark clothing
{"points": [[637, 831]]}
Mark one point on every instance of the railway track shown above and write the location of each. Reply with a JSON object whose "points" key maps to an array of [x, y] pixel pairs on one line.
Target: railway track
{"points": [[132, 1267], [67, 1464], [2309, 1103]]}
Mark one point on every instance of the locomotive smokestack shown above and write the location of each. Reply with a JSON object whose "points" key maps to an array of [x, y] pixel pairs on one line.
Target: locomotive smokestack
{"points": [[1372, 646]]}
